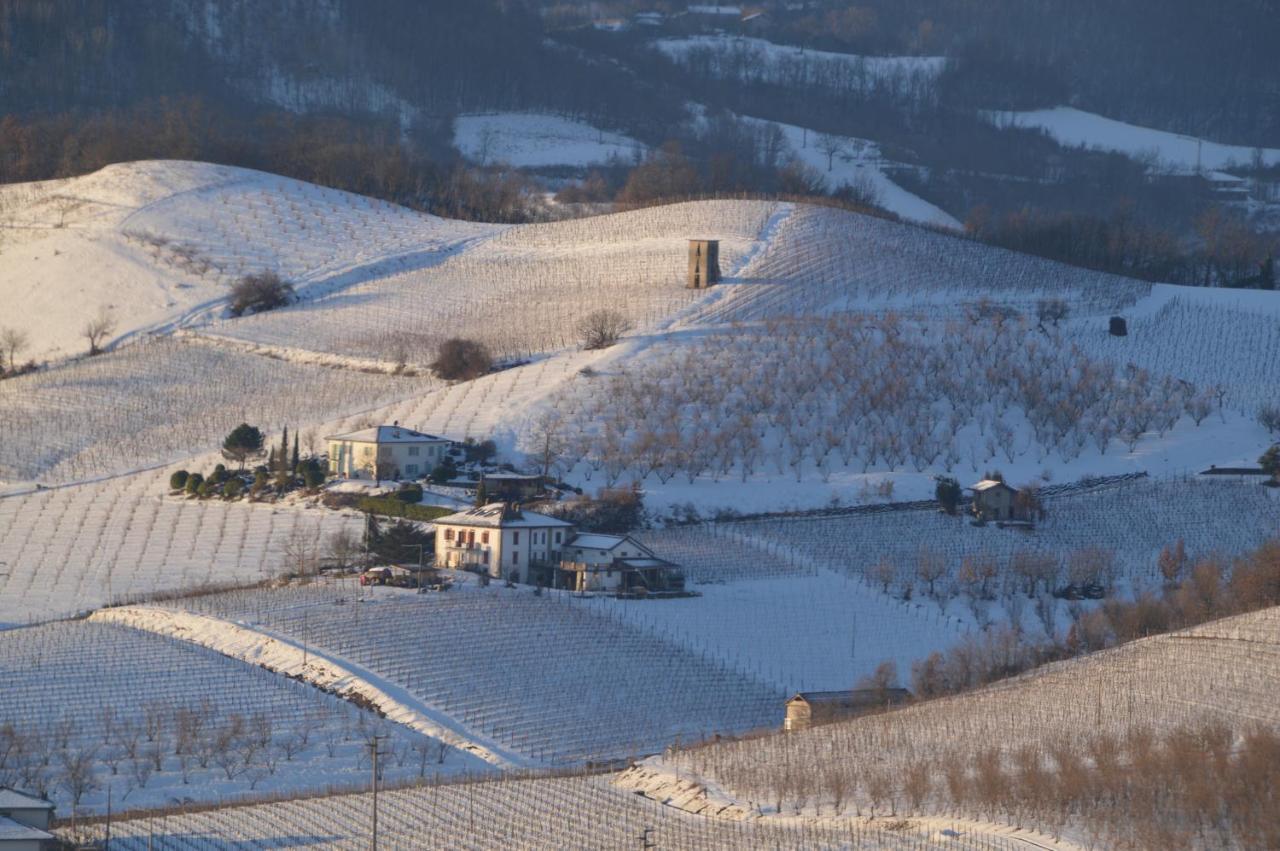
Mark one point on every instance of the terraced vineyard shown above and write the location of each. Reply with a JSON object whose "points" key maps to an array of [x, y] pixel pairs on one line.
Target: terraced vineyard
{"points": [[543, 675], [91, 708]]}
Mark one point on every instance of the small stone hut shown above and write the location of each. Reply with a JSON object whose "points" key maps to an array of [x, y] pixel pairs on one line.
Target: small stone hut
{"points": [[704, 263], [993, 500], [816, 707]]}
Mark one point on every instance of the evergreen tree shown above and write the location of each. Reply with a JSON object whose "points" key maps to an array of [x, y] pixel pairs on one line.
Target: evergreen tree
{"points": [[244, 442], [482, 495], [948, 493], [293, 464], [283, 457], [1270, 462]]}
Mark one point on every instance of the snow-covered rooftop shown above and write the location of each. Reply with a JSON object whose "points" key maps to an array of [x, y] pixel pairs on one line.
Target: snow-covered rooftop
{"points": [[596, 541], [12, 799], [500, 515], [386, 434], [988, 484], [12, 831]]}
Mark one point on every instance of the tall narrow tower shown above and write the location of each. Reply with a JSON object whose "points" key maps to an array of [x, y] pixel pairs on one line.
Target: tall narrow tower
{"points": [[704, 263]]}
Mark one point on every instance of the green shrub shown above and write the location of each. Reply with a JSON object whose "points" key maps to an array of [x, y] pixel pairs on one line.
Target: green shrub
{"points": [[313, 477], [233, 488], [178, 480], [205, 490], [410, 493], [219, 474], [194, 481]]}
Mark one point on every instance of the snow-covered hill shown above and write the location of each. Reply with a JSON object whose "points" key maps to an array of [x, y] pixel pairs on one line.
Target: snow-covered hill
{"points": [[157, 243], [1179, 152]]}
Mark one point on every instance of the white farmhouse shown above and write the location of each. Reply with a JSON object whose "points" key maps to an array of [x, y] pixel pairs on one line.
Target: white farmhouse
{"points": [[501, 539], [613, 563], [385, 452]]}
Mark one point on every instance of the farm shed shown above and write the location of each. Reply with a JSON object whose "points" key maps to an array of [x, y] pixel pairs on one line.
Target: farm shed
{"points": [[993, 500], [511, 487], [24, 821], [817, 707]]}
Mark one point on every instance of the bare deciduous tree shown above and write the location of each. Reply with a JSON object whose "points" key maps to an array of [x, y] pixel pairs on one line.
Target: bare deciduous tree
{"points": [[98, 329], [13, 341], [602, 328]]}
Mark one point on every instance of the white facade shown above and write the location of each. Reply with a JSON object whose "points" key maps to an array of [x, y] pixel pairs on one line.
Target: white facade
{"points": [[594, 555], [385, 452], [500, 539]]}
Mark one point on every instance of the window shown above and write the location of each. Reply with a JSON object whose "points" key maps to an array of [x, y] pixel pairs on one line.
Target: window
{"points": [[515, 556], [413, 451], [484, 537], [558, 537], [368, 452], [411, 469], [448, 534], [515, 537]]}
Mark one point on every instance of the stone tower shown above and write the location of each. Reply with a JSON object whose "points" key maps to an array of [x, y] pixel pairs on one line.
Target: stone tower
{"points": [[704, 263]]}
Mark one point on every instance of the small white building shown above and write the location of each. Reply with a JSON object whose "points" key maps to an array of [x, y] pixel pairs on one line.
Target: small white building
{"points": [[501, 539], [598, 562], [385, 452], [24, 821]]}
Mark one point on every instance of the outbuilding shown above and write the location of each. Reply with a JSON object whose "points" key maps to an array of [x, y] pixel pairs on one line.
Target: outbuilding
{"points": [[615, 564], [816, 707], [993, 500], [24, 821]]}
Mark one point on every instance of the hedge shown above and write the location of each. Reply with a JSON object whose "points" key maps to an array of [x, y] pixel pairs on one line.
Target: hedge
{"points": [[389, 506]]}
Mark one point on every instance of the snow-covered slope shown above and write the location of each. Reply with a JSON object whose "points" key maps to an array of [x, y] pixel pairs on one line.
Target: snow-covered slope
{"points": [[154, 719], [535, 140], [1172, 150], [158, 242], [758, 60]]}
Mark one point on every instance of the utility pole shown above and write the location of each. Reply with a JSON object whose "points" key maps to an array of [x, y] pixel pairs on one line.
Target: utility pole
{"points": [[373, 750]]}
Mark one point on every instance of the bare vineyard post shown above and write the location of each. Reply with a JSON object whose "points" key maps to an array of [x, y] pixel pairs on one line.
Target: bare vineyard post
{"points": [[373, 749]]}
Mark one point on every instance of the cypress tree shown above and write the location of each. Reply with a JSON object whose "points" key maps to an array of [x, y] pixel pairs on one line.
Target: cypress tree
{"points": [[283, 457]]}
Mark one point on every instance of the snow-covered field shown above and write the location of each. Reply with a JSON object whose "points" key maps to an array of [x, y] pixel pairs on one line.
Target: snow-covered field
{"points": [[858, 163], [71, 549], [801, 633], [757, 60], [536, 140], [547, 677], [1129, 522], [1225, 672], [162, 399], [522, 292], [158, 242], [1176, 151], [580, 812], [92, 708]]}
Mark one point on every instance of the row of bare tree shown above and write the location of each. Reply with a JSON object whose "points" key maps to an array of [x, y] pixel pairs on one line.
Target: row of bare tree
{"points": [[811, 396]]}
